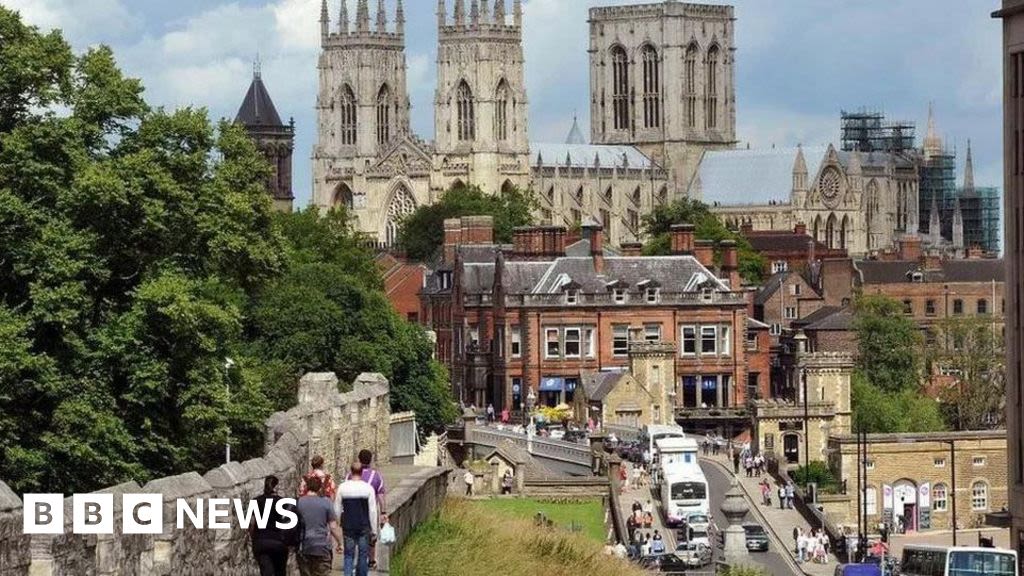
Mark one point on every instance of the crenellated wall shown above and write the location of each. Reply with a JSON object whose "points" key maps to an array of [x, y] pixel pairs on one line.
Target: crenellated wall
{"points": [[323, 422]]}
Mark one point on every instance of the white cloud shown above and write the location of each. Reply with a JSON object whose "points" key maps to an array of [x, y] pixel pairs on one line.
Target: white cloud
{"points": [[79, 19]]}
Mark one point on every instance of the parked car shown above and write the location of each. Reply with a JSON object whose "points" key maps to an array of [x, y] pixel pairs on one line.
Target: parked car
{"points": [[577, 436], [698, 521], [673, 563], [697, 536], [757, 538], [693, 554]]}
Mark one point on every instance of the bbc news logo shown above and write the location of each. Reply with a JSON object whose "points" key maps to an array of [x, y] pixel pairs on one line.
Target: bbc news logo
{"points": [[144, 513]]}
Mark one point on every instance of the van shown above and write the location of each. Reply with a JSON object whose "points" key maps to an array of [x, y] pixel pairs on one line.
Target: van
{"points": [[858, 570]]}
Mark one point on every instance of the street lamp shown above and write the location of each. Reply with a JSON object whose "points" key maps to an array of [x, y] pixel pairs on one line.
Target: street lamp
{"points": [[952, 482], [228, 365]]}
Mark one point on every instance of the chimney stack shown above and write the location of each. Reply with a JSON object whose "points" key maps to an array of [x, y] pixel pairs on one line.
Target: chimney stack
{"points": [[800, 229], [632, 249], [477, 229], [594, 232], [910, 248], [730, 264], [681, 238], [704, 252], [452, 239]]}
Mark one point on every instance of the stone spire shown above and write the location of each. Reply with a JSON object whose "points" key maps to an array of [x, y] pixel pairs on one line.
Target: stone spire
{"points": [[800, 171], [442, 14], [343, 18], [460, 13], [934, 225], [517, 13], [382, 18], [325, 20], [400, 18], [969, 171], [575, 134], [958, 230], [474, 12], [485, 9], [932, 142], [499, 12], [363, 16]]}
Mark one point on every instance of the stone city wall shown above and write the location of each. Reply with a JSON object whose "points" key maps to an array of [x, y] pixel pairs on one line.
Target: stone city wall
{"points": [[323, 422]]}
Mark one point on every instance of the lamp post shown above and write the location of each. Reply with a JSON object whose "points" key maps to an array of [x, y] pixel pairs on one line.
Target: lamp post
{"points": [[228, 365], [952, 482]]}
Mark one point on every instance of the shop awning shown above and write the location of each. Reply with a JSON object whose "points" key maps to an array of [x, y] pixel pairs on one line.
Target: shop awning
{"points": [[552, 384]]}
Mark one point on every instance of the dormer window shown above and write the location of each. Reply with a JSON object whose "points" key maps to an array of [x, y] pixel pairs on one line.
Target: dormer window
{"points": [[916, 277], [706, 294], [446, 280], [572, 297], [619, 295], [653, 295]]}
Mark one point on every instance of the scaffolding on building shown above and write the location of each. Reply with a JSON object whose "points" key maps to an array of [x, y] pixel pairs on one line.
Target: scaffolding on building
{"points": [[982, 214], [938, 181], [869, 131]]}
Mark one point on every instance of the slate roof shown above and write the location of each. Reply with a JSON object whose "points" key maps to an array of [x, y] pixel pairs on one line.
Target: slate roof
{"points": [[512, 452], [597, 385], [984, 270], [583, 155], [780, 241], [827, 318], [670, 273], [258, 109], [771, 286], [732, 177]]}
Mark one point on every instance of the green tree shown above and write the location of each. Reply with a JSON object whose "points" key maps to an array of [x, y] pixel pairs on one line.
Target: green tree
{"points": [[707, 226], [878, 411], [422, 232], [970, 350], [889, 344]]}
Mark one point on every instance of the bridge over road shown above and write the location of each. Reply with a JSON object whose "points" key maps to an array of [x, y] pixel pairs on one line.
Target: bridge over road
{"points": [[558, 455]]}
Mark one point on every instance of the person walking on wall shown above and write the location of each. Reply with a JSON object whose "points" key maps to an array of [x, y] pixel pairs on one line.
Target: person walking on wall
{"points": [[468, 479], [270, 543], [327, 486], [319, 524], [372, 476], [356, 505]]}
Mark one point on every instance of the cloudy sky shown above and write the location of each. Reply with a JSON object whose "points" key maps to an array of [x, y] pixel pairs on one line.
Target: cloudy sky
{"points": [[799, 62]]}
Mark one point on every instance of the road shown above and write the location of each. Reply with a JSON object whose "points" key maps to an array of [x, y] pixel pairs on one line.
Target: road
{"points": [[718, 484]]}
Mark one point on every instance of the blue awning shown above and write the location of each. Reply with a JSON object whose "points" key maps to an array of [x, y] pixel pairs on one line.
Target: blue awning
{"points": [[552, 384]]}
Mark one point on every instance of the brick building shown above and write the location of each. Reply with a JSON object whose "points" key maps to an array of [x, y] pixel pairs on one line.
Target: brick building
{"points": [[788, 250], [911, 476], [520, 324], [402, 283]]}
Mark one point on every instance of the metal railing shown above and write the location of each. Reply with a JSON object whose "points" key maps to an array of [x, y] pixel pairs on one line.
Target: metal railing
{"points": [[543, 447]]}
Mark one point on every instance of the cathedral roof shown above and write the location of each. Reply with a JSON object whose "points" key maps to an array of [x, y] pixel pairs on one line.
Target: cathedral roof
{"points": [[575, 134], [258, 109], [731, 177], [585, 155]]}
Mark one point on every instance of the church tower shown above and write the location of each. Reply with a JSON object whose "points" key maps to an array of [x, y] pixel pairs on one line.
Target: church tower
{"points": [[363, 102], [662, 79], [274, 139], [480, 106]]}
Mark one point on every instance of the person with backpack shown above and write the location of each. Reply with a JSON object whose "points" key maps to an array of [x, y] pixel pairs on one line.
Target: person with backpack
{"points": [[372, 477], [270, 544], [318, 525], [317, 470], [356, 504]]}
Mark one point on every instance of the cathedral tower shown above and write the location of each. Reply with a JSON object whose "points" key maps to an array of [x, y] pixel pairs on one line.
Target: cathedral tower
{"points": [[363, 103], [662, 79], [273, 138], [480, 104]]}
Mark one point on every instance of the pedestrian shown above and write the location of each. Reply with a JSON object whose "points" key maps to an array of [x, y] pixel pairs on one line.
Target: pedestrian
{"points": [[490, 413], [801, 548], [506, 482], [270, 543], [635, 483], [657, 543], [468, 479], [327, 487], [505, 416], [356, 505], [373, 477], [790, 490], [766, 490], [319, 526], [648, 508], [645, 548], [782, 496]]}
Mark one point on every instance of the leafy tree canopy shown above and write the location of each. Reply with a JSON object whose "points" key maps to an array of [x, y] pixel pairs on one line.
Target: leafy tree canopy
{"points": [[889, 344], [970, 349], [138, 252], [422, 232], [707, 226], [878, 411]]}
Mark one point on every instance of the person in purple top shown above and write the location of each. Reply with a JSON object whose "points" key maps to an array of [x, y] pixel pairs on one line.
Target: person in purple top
{"points": [[372, 477]]}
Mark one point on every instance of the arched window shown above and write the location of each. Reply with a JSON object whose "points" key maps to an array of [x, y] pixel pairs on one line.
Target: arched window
{"points": [[690, 86], [830, 231], [711, 88], [501, 111], [940, 496], [817, 228], [652, 87], [663, 196], [979, 496], [343, 197], [635, 196], [466, 112], [383, 115], [843, 231], [347, 107], [402, 204], [620, 87]]}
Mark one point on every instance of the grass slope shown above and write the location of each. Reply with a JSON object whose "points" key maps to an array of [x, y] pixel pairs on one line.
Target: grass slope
{"points": [[589, 515], [466, 539]]}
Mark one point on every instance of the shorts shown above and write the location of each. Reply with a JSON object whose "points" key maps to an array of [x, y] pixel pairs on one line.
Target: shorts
{"points": [[315, 565]]}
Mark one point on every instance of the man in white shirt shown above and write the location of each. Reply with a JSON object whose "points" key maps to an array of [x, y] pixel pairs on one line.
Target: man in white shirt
{"points": [[356, 505]]}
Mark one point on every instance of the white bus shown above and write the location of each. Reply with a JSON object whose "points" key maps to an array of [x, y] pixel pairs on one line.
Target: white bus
{"points": [[946, 561], [675, 454], [651, 433], [684, 490]]}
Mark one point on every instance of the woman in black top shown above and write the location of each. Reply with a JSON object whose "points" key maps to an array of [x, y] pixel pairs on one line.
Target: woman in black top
{"points": [[270, 545]]}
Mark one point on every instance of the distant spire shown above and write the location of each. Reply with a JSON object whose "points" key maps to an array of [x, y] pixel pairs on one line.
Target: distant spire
{"points": [[575, 134], [442, 14], [934, 225], [460, 13], [969, 170], [325, 20], [382, 17], [932, 142], [517, 13], [343, 18], [958, 229], [363, 16], [474, 12], [257, 66], [400, 18], [800, 171], [499, 12], [484, 12]]}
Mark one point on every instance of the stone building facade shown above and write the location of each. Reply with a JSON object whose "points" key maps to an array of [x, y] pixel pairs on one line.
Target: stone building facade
{"points": [[635, 397], [910, 477], [662, 78], [367, 159]]}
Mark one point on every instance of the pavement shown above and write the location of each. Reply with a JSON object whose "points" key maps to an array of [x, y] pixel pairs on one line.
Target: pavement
{"points": [[642, 495]]}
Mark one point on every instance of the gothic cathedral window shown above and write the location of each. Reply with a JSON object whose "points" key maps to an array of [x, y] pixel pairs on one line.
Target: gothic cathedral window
{"points": [[383, 116], [620, 87], [711, 89], [402, 204], [690, 85], [501, 111], [348, 116], [652, 90], [466, 112]]}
